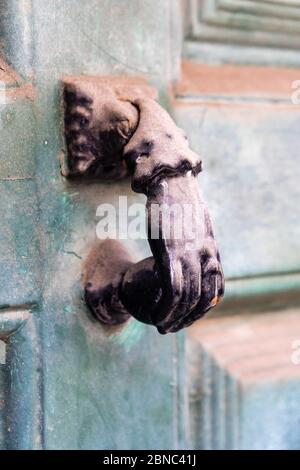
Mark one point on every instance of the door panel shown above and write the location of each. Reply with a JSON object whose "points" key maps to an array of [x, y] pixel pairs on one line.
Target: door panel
{"points": [[100, 388], [67, 382], [234, 100]]}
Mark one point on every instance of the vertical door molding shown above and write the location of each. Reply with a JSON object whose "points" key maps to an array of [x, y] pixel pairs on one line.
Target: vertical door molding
{"points": [[21, 381]]}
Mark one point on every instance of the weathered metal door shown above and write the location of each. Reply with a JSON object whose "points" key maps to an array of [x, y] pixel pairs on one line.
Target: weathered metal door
{"points": [[66, 382]]}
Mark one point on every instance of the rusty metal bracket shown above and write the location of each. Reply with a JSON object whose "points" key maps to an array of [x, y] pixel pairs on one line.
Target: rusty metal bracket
{"points": [[99, 120]]}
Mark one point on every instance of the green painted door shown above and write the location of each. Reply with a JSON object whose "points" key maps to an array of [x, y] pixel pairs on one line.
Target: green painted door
{"points": [[231, 381], [67, 382]]}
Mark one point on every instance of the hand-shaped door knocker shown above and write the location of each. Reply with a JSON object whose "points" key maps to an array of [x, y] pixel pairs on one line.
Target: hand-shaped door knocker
{"points": [[113, 127]]}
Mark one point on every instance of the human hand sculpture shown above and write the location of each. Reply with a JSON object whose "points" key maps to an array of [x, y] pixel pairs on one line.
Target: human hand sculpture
{"points": [[112, 129]]}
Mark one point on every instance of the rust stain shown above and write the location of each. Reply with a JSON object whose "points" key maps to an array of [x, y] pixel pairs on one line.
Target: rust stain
{"points": [[25, 91], [251, 347], [235, 80], [8, 75], [15, 87], [207, 103]]}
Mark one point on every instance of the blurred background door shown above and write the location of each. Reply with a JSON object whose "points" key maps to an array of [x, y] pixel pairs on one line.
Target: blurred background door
{"points": [[224, 70], [237, 99], [66, 382]]}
